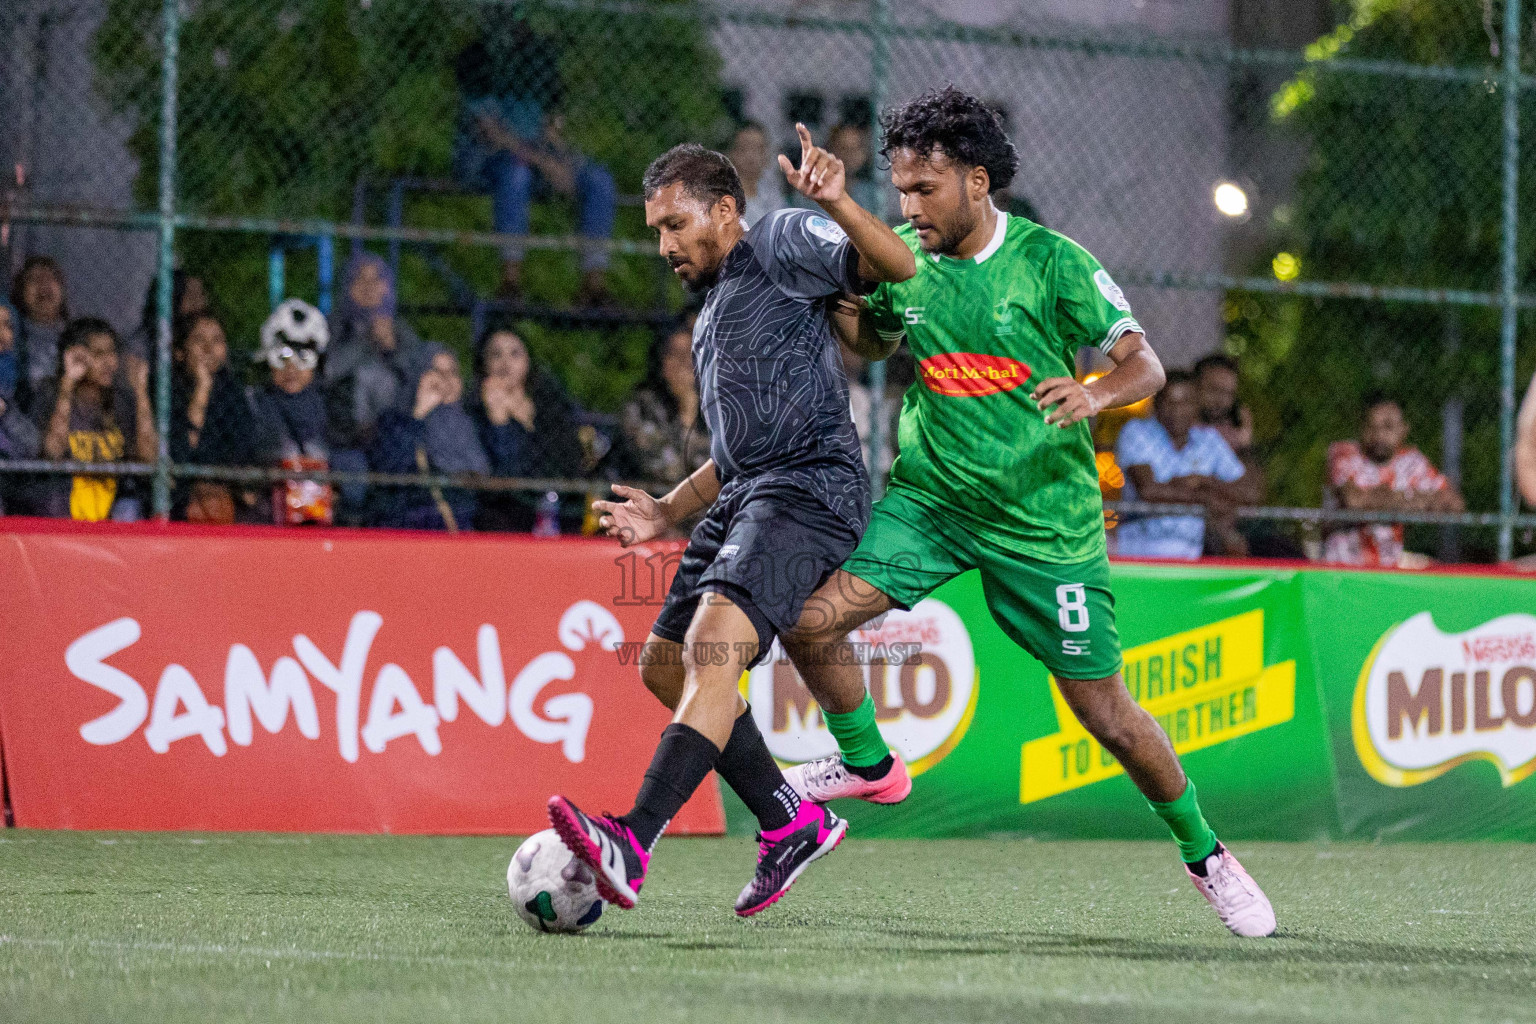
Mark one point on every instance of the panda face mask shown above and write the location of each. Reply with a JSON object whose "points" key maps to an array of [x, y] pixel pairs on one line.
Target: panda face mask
{"points": [[304, 357]]}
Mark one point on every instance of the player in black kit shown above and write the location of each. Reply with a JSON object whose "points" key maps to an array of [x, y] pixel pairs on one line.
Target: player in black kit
{"points": [[786, 489]]}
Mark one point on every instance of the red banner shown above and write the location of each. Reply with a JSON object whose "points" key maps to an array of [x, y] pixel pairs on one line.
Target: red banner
{"points": [[156, 677]]}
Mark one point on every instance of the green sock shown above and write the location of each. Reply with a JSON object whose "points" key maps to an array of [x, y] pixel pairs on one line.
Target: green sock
{"points": [[1195, 838], [857, 735]]}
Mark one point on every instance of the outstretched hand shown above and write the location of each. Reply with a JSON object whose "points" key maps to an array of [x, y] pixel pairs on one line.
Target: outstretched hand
{"points": [[638, 519], [821, 175]]}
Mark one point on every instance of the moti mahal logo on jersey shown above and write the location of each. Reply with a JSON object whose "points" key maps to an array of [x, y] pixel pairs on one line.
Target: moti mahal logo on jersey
{"points": [[1427, 701], [971, 374], [920, 670]]}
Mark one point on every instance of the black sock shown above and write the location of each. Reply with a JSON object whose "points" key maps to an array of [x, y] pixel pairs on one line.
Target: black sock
{"points": [[871, 772], [748, 768], [682, 759], [1198, 866]]}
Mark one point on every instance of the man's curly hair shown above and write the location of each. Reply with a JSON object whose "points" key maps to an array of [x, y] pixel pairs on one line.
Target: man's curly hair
{"points": [[956, 124]]}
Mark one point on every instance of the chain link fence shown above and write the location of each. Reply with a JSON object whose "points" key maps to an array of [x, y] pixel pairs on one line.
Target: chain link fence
{"points": [[454, 185]]}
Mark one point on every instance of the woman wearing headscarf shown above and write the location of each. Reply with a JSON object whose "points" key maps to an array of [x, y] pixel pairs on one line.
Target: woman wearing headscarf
{"points": [[211, 423], [38, 294], [526, 423], [372, 352], [428, 431]]}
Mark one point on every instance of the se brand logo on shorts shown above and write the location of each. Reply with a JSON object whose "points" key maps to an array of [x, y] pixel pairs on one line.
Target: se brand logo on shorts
{"points": [[1427, 701], [971, 374]]}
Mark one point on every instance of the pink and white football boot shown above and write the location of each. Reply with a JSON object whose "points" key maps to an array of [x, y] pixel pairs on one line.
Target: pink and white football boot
{"points": [[1239, 902], [827, 778]]}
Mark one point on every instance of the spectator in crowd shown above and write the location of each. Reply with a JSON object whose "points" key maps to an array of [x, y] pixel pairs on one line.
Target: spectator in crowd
{"points": [[1382, 473], [526, 424], [429, 431], [749, 153], [850, 144], [371, 354], [511, 143], [19, 437], [189, 295], [87, 415], [211, 422], [38, 294], [289, 426], [1525, 446], [662, 425], [1216, 381], [1175, 459]]}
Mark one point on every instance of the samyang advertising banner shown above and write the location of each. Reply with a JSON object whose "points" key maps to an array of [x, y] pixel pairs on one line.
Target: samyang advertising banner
{"points": [[155, 677]]}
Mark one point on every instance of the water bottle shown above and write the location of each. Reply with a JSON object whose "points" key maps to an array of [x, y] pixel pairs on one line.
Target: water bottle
{"points": [[547, 522]]}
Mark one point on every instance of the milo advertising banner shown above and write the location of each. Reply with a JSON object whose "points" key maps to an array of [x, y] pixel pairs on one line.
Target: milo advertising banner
{"points": [[1430, 684], [1304, 703]]}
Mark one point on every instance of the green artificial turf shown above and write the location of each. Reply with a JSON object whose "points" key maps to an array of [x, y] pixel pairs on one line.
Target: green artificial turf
{"points": [[162, 928]]}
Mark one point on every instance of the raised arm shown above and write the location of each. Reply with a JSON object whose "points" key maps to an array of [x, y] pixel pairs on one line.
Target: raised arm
{"points": [[882, 255]]}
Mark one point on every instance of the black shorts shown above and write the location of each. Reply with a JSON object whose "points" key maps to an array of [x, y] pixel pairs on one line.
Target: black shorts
{"points": [[765, 551]]}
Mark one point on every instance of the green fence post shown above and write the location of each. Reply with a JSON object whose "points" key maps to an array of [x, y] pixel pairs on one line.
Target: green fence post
{"points": [[1509, 300], [163, 299], [879, 72]]}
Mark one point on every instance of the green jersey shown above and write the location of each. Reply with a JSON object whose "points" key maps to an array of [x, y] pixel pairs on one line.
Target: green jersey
{"points": [[984, 332]]}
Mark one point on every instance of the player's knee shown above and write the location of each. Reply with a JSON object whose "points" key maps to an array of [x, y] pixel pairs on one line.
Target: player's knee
{"points": [[664, 678]]}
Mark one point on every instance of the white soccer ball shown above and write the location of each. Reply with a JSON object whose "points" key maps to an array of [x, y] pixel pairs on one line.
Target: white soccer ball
{"points": [[550, 889]]}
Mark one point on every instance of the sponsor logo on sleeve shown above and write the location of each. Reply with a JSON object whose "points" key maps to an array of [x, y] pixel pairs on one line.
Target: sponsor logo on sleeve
{"points": [[1111, 291], [921, 672], [825, 230], [1427, 701], [971, 374]]}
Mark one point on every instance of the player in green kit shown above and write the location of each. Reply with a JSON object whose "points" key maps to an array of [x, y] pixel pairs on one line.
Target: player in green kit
{"points": [[996, 472]]}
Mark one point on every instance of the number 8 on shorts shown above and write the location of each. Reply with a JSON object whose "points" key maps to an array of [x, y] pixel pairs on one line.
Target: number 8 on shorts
{"points": [[1072, 607]]}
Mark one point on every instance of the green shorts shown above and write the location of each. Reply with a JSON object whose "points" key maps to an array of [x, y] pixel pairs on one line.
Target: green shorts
{"points": [[1064, 615]]}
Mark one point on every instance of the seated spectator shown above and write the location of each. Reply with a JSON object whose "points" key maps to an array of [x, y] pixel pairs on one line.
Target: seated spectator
{"points": [[289, 427], [87, 415], [189, 295], [749, 153], [527, 426], [371, 352], [19, 438], [210, 420], [1382, 473], [850, 144], [511, 143], [662, 425], [1177, 460], [429, 432], [38, 294], [1216, 381]]}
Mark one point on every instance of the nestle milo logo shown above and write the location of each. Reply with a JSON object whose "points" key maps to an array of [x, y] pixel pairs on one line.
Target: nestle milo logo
{"points": [[920, 670], [971, 374], [1427, 701]]}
